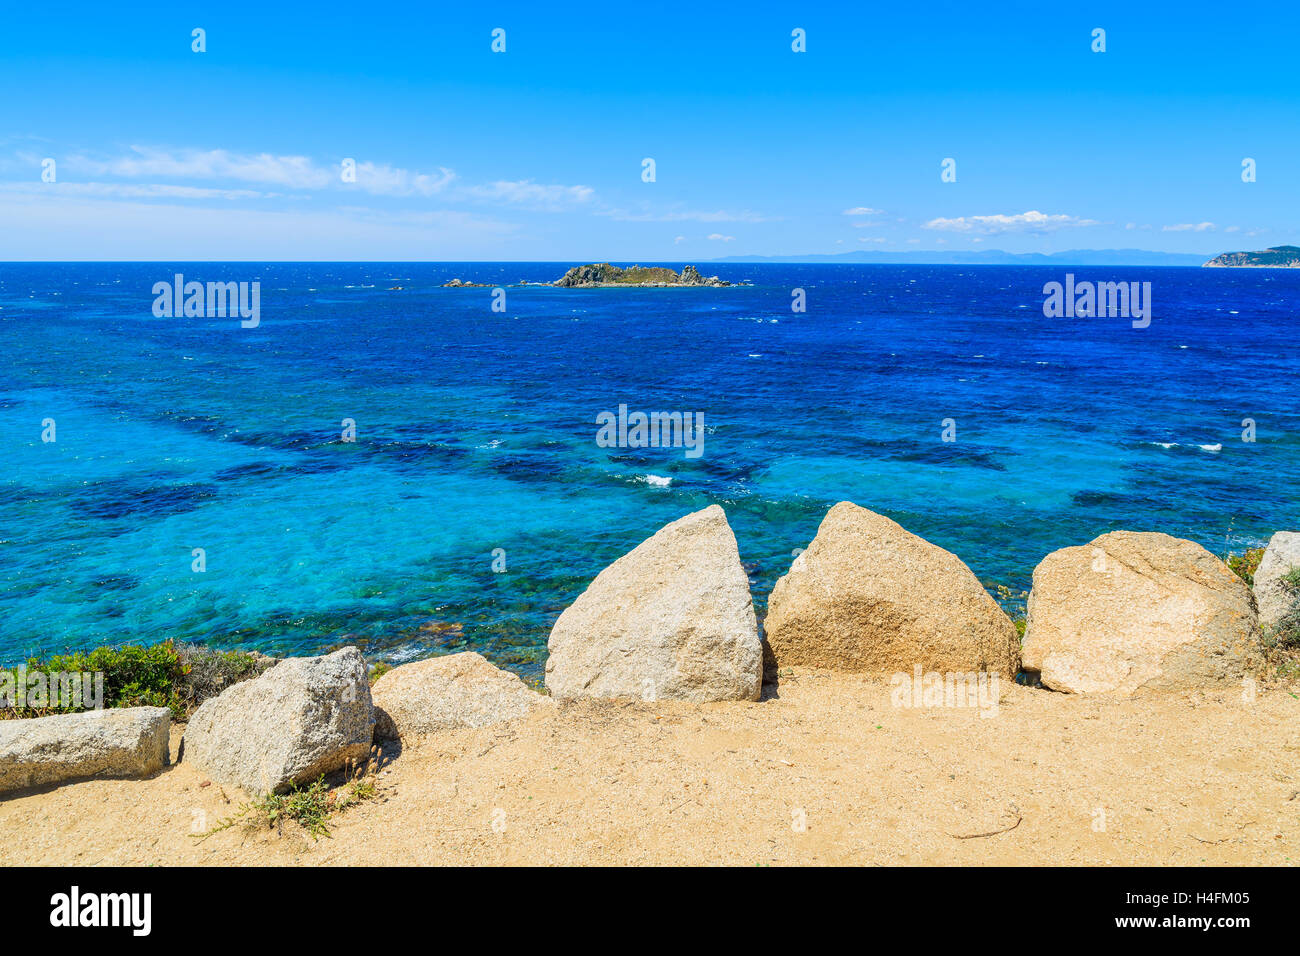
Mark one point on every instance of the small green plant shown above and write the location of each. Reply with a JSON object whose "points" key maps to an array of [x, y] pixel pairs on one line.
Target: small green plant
{"points": [[1245, 565], [310, 806], [379, 669], [1014, 606]]}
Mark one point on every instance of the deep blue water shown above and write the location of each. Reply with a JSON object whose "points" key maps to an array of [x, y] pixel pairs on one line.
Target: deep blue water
{"points": [[476, 431]]}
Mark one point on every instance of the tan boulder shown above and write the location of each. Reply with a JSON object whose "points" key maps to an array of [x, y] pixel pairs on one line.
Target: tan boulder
{"points": [[1138, 611], [443, 693], [869, 596], [670, 620]]}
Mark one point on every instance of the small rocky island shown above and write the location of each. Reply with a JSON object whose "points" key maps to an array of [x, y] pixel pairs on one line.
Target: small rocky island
{"points": [[1279, 257], [603, 275]]}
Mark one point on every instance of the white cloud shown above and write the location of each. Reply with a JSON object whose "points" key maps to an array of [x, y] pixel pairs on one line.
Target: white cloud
{"points": [[384, 180], [1190, 227], [863, 211], [527, 192], [1031, 221], [871, 239], [295, 172], [136, 191], [719, 237], [215, 166]]}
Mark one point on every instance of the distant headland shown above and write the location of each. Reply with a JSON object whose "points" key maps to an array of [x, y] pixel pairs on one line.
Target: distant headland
{"points": [[1278, 257]]}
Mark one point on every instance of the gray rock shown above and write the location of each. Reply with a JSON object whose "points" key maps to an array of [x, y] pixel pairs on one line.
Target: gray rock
{"points": [[1281, 555], [121, 742], [303, 717], [444, 693], [670, 620]]}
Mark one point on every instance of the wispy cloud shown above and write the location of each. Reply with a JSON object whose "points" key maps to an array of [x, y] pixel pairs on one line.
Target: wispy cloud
{"points": [[1031, 221], [381, 179], [863, 211], [145, 162], [136, 191], [684, 215], [719, 237], [205, 173], [527, 192], [1190, 227]]}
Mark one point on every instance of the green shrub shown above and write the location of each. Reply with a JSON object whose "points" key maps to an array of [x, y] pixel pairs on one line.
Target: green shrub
{"points": [[134, 676], [208, 672], [163, 675]]}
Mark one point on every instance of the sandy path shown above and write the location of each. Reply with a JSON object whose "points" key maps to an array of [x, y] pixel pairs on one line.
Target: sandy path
{"points": [[1182, 779]]}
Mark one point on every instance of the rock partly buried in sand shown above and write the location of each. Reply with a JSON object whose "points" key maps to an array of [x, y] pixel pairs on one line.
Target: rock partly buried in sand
{"points": [[1280, 557], [670, 620], [443, 693], [1137, 610], [303, 717], [869, 596], [125, 742]]}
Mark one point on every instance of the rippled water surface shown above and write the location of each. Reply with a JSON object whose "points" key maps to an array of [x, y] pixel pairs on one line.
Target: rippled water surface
{"points": [[476, 431]]}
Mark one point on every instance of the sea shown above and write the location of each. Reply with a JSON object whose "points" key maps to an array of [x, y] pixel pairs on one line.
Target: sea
{"points": [[418, 470]]}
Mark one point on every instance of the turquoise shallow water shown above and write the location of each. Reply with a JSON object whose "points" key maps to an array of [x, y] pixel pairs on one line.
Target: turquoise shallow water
{"points": [[476, 431]]}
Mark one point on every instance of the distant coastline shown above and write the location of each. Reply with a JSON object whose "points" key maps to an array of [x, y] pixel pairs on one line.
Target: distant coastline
{"points": [[1277, 257], [987, 257]]}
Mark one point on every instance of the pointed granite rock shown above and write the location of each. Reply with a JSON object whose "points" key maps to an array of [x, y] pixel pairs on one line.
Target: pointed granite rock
{"points": [[670, 620], [869, 596]]}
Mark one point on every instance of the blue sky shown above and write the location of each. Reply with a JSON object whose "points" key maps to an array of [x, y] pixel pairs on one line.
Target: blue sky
{"points": [[536, 153]]}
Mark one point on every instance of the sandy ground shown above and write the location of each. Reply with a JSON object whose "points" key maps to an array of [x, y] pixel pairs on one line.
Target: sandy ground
{"points": [[825, 771]]}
